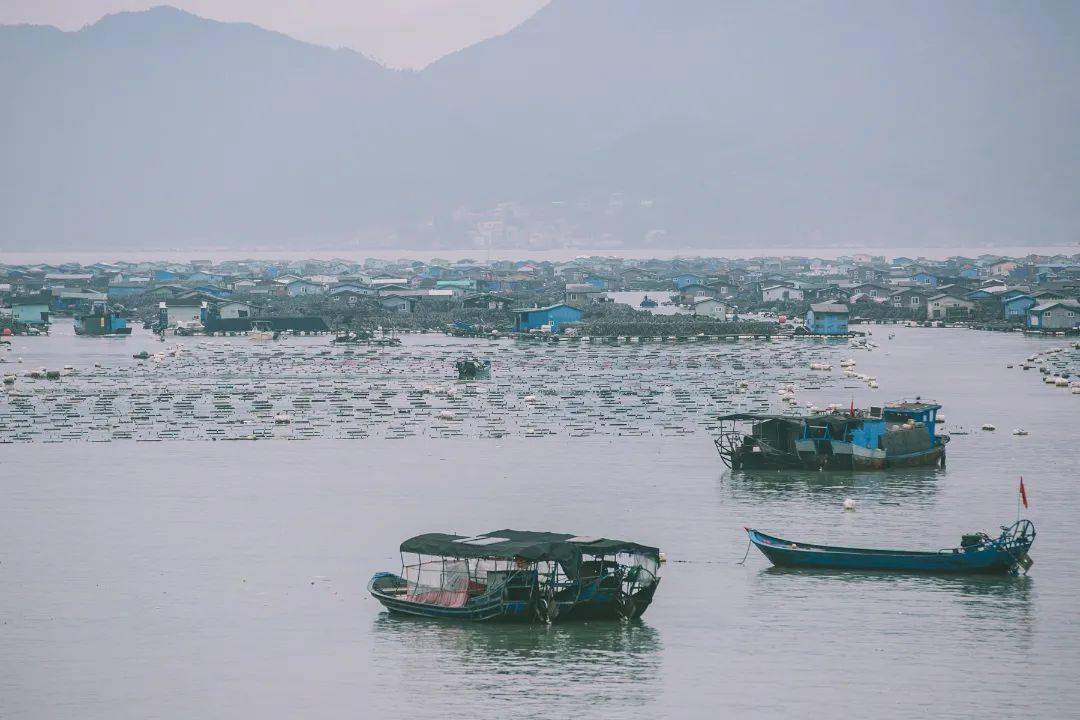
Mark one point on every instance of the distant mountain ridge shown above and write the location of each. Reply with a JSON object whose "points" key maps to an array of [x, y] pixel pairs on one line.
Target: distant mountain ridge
{"points": [[702, 121]]}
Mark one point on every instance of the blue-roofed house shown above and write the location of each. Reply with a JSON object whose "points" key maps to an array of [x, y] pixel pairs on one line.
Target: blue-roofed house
{"points": [[160, 276], [126, 289], [31, 309], [683, 279], [1017, 306], [596, 281], [202, 276], [827, 319], [464, 285], [214, 290], [69, 299], [924, 278], [526, 319]]}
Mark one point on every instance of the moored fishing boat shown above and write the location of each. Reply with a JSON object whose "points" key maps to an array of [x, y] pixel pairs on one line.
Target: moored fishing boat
{"points": [[520, 575], [977, 553], [101, 322], [262, 331], [897, 435], [471, 368]]}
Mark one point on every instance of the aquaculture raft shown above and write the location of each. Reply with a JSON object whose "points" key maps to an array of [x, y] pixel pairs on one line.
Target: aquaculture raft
{"points": [[978, 553], [522, 576]]}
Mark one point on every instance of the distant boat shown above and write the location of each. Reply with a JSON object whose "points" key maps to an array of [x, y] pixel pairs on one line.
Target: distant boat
{"points": [[978, 553], [261, 331], [647, 302], [520, 575], [101, 322], [471, 368], [897, 435]]}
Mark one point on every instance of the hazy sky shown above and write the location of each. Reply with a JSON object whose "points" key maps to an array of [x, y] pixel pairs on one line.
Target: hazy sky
{"points": [[401, 33]]}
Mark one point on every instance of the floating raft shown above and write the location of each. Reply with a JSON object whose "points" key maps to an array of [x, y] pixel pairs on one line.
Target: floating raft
{"points": [[215, 388]]}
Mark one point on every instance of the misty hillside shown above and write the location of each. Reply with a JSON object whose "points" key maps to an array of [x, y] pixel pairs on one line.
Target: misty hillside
{"points": [[717, 122]]}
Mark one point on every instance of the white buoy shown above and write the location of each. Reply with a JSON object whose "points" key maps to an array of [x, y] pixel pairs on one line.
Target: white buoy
{"points": [[849, 504]]}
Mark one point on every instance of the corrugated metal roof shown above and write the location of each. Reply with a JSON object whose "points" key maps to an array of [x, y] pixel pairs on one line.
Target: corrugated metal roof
{"points": [[1071, 304]]}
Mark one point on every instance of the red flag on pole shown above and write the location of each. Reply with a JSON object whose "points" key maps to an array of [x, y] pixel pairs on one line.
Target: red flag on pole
{"points": [[1023, 492]]}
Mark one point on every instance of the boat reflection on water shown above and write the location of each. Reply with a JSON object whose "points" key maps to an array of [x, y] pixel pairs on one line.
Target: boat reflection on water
{"points": [[981, 603], [910, 486], [537, 668]]}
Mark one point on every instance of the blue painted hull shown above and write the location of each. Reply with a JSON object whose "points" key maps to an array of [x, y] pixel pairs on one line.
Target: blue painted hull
{"points": [[993, 557]]}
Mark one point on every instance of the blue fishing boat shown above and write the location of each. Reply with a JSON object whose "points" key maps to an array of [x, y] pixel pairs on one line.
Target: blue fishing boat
{"points": [[978, 553], [101, 322], [647, 302], [520, 575], [899, 434]]}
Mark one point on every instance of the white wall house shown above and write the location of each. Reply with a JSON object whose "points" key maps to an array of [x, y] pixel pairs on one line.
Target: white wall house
{"points": [[581, 294], [298, 288], [940, 307], [780, 293], [231, 310], [711, 307], [185, 313]]}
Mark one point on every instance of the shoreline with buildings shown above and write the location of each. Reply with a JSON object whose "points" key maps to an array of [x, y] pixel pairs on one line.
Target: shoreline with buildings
{"points": [[692, 296]]}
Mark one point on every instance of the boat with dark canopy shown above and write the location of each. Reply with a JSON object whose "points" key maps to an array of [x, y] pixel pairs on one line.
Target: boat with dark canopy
{"points": [[472, 368], [978, 553], [900, 434], [520, 575]]}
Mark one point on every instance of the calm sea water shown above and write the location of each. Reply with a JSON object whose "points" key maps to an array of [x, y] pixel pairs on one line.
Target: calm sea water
{"points": [[226, 579]]}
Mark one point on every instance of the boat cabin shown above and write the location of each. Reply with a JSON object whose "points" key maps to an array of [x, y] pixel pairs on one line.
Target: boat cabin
{"points": [[521, 575], [898, 433]]}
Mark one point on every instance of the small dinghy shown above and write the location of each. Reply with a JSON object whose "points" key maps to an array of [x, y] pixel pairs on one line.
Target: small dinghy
{"points": [[978, 553]]}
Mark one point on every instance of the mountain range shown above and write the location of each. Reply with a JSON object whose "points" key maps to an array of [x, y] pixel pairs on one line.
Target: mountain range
{"points": [[705, 123]]}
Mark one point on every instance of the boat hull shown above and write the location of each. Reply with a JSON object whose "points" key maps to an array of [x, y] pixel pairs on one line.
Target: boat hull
{"points": [[588, 602], [479, 609], [839, 456], [605, 604], [989, 558]]}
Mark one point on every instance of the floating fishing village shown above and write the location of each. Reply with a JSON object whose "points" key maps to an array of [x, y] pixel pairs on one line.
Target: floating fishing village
{"points": [[805, 390], [539, 359], [250, 350]]}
